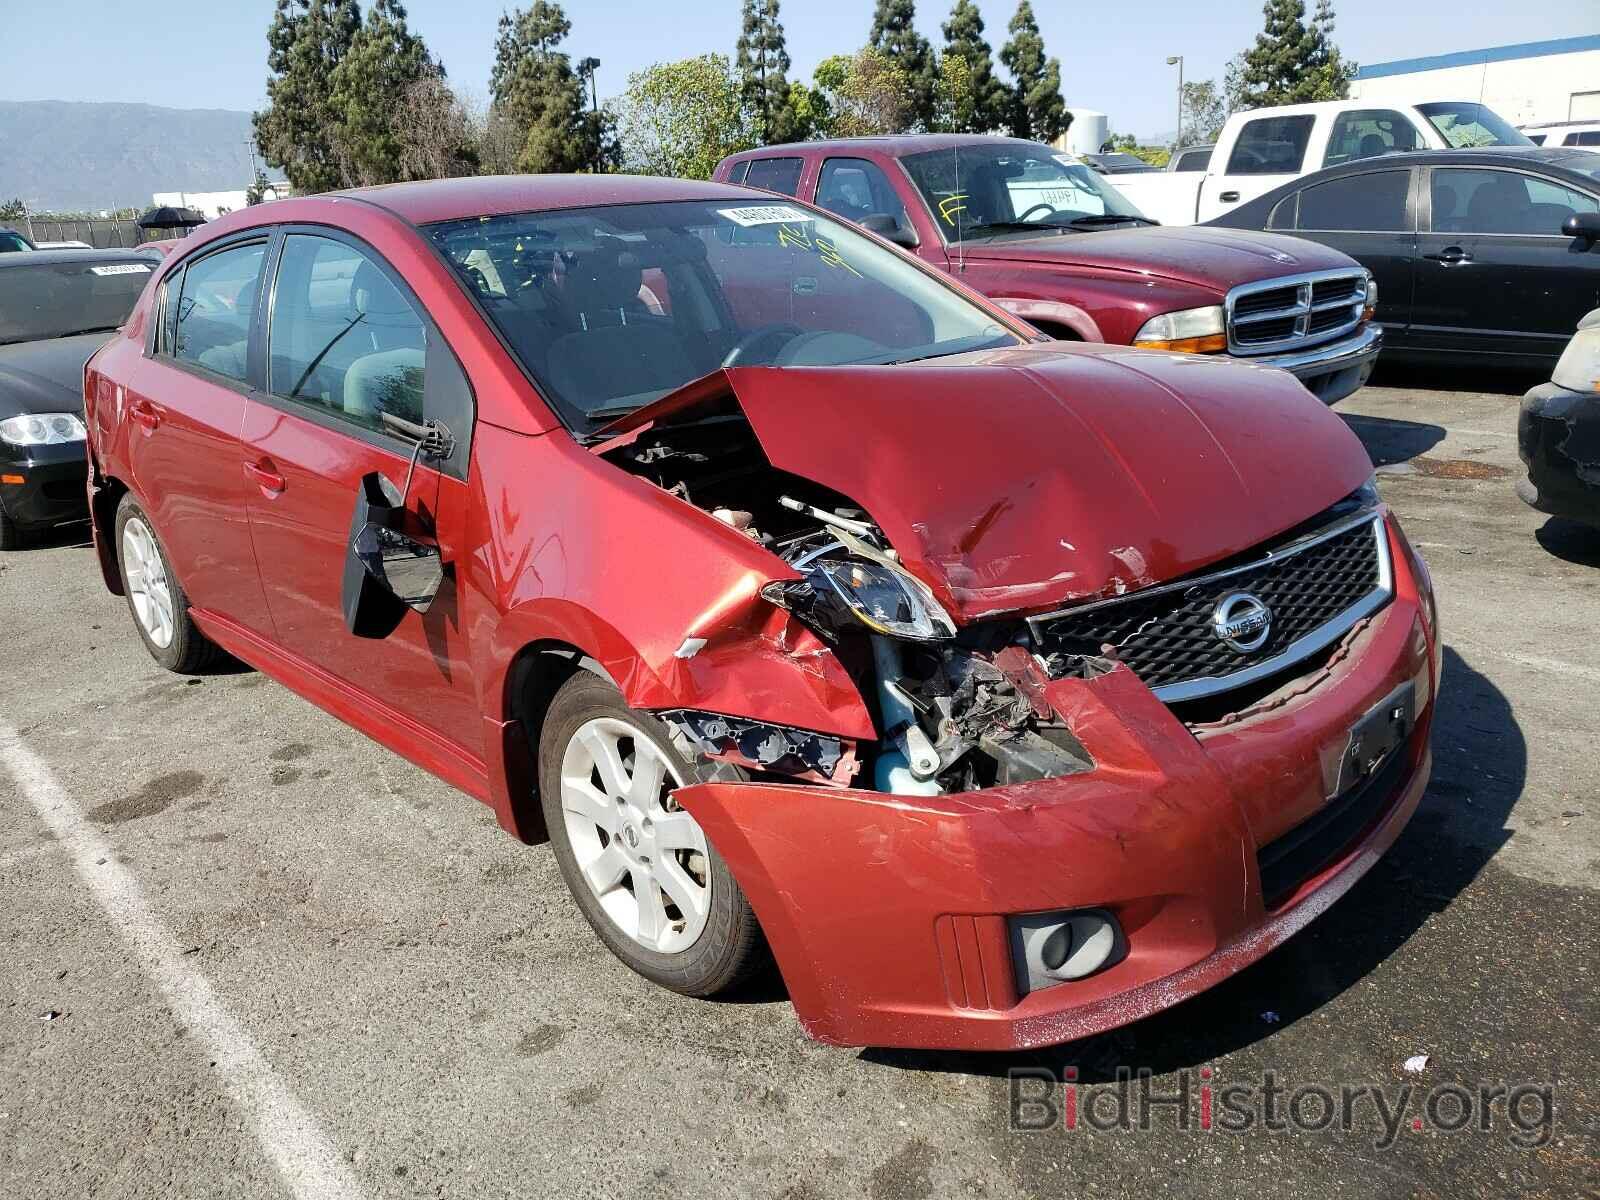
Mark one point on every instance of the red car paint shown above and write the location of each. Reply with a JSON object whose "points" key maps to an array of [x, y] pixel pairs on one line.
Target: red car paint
{"points": [[1015, 480], [1098, 286]]}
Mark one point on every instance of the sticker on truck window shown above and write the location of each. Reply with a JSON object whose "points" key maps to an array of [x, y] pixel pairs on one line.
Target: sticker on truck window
{"points": [[764, 214], [122, 269]]}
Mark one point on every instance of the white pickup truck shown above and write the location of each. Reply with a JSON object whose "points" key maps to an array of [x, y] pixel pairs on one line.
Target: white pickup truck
{"points": [[1263, 147]]}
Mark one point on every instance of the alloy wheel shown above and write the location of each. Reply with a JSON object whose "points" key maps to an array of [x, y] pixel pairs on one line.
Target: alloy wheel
{"points": [[145, 577]]}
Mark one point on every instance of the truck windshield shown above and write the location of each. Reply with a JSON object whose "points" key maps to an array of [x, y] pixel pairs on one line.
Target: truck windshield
{"points": [[1464, 125], [990, 188], [60, 298], [612, 307]]}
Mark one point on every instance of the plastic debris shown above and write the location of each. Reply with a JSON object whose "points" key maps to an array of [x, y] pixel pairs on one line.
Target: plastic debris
{"points": [[49, 1015], [1417, 1063]]}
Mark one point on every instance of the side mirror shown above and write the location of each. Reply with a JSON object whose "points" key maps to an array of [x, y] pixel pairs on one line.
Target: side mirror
{"points": [[1584, 225], [892, 229], [387, 572]]}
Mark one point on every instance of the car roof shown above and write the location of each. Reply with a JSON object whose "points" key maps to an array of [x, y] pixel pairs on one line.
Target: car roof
{"points": [[432, 200], [1571, 158], [38, 258], [896, 144]]}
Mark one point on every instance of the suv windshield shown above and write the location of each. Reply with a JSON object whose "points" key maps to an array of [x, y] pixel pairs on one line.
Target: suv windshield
{"points": [[985, 189], [1463, 125], [611, 308], [57, 299]]}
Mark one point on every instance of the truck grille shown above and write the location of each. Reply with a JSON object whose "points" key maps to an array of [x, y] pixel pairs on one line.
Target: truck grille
{"points": [[1314, 588], [1275, 315]]}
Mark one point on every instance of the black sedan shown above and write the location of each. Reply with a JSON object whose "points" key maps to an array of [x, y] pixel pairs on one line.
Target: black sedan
{"points": [[57, 307], [1490, 255], [1558, 433]]}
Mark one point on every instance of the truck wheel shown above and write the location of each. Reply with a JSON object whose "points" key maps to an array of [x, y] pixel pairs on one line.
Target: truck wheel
{"points": [[644, 875], [156, 599]]}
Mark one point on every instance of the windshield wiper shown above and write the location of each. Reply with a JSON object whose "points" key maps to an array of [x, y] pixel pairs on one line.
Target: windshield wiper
{"points": [[1113, 219], [91, 329], [1009, 226]]}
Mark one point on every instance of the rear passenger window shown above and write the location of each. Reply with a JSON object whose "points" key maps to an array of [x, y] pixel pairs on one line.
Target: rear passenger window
{"points": [[1271, 146], [215, 310], [775, 174], [344, 340], [1370, 203]]}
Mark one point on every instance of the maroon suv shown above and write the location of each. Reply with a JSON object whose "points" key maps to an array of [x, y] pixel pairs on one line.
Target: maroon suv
{"points": [[1051, 241]]}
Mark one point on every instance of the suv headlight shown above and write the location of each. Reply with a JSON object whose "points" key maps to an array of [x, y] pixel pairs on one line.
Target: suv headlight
{"points": [[1579, 367], [1189, 330], [884, 599], [42, 429]]}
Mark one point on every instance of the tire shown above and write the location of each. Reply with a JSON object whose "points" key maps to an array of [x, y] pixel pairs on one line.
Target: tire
{"points": [[156, 599], [698, 952], [11, 535]]}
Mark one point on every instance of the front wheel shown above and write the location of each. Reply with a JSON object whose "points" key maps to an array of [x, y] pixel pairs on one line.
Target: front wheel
{"points": [[639, 866]]}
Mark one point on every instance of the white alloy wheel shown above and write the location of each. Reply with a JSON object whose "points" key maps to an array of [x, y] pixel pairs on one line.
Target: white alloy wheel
{"points": [[145, 577], [643, 857]]}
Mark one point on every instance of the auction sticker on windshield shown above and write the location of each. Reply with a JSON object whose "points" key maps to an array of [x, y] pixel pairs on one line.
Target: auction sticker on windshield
{"points": [[121, 269], [764, 214]]}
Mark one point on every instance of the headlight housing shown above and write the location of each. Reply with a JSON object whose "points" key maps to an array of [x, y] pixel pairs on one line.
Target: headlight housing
{"points": [[884, 599], [1370, 307], [42, 429], [1189, 331], [1579, 367]]}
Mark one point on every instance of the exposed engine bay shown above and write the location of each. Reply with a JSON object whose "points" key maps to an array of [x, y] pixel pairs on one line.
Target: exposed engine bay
{"points": [[957, 709]]}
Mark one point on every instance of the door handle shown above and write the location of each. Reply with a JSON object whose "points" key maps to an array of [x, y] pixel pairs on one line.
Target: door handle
{"points": [[1229, 197], [146, 415], [266, 476], [1450, 256]]}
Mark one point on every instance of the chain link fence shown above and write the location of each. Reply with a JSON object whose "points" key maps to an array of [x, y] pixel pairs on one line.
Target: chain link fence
{"points": [[101, 233]]}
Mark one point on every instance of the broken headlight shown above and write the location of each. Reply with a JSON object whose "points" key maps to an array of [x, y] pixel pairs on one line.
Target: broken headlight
{"points": [[883, 598]]}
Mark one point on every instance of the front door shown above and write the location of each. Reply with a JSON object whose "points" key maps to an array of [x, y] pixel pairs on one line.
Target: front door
{"points": [[1495, 274], [186, 400], [347, 344]]}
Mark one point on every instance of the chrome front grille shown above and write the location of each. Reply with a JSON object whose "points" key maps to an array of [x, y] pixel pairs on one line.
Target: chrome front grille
{"points": [[1315, 588], [1289, 313]]}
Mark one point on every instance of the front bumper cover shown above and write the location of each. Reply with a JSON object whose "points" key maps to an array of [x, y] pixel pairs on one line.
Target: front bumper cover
{"points": [[1332, 370], [887, 914], [1558, 437], [52, 491]]}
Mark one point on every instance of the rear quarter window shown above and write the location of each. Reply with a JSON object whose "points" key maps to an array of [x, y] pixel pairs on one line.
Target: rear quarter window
{"points": [[775, 174]]}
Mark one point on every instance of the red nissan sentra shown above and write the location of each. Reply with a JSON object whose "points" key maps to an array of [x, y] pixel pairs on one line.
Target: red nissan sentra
{"points": [[1000, 690]]}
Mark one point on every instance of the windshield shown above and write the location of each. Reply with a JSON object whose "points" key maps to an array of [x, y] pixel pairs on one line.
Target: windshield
{"points": [[984, 189], [57, 299], [611, 308], [1463, 125], [11, 242]]}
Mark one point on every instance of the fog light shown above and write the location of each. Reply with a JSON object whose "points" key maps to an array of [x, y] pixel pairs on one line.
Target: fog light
{"points": [[1051, 948]]}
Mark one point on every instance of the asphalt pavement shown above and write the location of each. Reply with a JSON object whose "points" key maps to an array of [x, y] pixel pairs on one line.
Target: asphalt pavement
{"points": [[245, 952]]}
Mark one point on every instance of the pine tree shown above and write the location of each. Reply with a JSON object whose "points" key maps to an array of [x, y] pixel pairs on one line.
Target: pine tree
{"points": [[1036, 109], [539, 97], [763, 65], [988, 107], [367, 89], [894, 35], [298, 130], [1293, 62]]}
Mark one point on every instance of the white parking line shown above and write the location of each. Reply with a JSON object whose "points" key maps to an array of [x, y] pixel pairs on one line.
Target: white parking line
{"points": [[303, 1156]]}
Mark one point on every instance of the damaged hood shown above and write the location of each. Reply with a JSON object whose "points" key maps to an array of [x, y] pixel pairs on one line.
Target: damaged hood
{"points": [[1218, 259], [1034, 476]]}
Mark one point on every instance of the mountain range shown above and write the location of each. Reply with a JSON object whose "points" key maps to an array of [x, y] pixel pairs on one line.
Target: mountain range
{"points": [[67, 155]]}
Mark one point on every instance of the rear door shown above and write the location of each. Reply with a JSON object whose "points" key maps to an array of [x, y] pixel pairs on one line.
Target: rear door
{"points": [[347, 343], [1495, 274], [185, 404], [1268, 152], [1371, 216]]}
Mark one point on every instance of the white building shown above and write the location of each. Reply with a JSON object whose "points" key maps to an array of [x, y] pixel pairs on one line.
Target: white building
{"points": [[1526, 84], [212, 205]]}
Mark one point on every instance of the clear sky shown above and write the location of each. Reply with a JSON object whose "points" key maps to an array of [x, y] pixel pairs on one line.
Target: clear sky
{"points": [[212, 54]]}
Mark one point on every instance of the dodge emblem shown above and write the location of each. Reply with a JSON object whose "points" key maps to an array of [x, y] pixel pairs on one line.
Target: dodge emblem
{"points": [[1241, 622]]}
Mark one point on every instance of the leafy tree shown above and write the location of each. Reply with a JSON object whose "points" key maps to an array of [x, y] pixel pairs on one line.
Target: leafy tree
{"points": [[682, 118], [257, 191], [13, 210], [1294, 61], [763, 65], [895, 36], [538, 100], [1036, 109], [867, 92], [952, 95], [1204, 111], [367, 88], [807, 113], [297, 131], [963, 36]]}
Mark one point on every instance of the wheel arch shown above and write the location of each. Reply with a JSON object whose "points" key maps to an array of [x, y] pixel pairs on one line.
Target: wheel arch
{"points": [[1050, 316], [105, 494]]}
